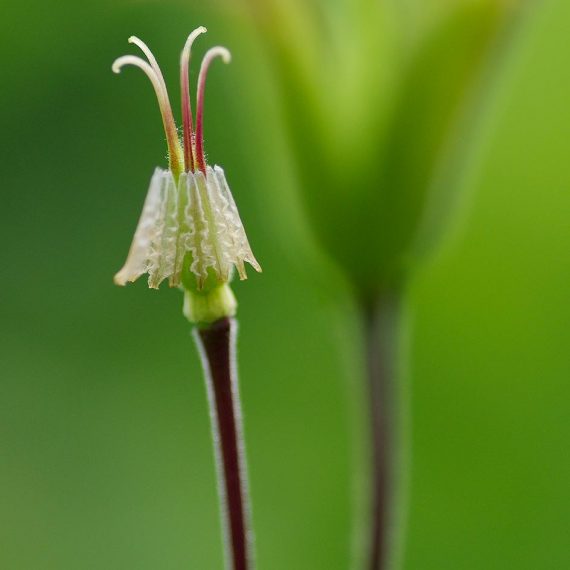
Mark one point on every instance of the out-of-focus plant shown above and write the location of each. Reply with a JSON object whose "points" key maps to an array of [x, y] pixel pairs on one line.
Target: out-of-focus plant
{"points": [[190, 233], [380, 99]]}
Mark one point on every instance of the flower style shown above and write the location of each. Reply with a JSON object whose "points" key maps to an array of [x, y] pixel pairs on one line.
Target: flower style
{"points": [[190, 230]]}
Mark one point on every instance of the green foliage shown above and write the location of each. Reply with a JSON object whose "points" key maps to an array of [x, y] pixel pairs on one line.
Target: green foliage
{"points": [[372, 130]]}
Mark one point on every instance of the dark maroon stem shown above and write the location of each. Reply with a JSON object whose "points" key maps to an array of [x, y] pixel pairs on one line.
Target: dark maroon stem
{"points": [[217, 348], [381, 318]]}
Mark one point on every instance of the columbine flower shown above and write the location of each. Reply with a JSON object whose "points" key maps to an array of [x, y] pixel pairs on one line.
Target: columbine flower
{"points": [[190, 229]]}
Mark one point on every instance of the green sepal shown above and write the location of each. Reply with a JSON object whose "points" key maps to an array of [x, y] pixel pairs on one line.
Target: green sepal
{"points": [[204, 307]]}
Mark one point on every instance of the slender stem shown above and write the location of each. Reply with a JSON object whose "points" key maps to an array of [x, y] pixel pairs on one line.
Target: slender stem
{"points": [[217, 346], [382, 320]]}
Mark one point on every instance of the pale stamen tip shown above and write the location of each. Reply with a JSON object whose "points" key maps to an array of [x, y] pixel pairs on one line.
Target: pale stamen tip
{"points": [[223, 53], [185, 56], [117, 65]]}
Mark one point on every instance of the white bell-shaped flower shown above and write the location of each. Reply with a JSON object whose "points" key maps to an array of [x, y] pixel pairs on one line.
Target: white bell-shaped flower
{"points": [[190, 224]]}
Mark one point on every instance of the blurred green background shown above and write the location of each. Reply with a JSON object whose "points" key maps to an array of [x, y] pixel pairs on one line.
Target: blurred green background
{"points": [[105, 453]]}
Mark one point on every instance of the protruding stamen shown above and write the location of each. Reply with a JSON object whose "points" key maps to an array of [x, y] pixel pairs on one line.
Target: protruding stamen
{"points": [[163, 103], [185, 99], [149, 55], [210, 55]]}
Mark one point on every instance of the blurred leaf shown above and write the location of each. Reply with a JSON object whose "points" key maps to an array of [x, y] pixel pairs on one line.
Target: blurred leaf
{"points": [[369, 140]]}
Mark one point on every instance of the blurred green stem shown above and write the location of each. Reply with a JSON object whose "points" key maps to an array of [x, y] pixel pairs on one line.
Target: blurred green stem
{"points": [[217, 345], [382, 320]]}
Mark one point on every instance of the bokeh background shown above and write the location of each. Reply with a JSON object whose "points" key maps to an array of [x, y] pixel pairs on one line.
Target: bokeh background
{"points": [[105, 454]]}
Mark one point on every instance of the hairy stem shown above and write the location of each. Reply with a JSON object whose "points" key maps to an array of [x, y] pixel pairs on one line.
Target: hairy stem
{"points": [[382, 320], [217, 346]]}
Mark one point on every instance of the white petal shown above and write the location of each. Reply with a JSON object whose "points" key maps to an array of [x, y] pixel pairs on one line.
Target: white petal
{"points": [[145, 235]]}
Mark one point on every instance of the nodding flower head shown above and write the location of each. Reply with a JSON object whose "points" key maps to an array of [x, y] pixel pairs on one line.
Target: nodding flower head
{"points": [[190, 230]]}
